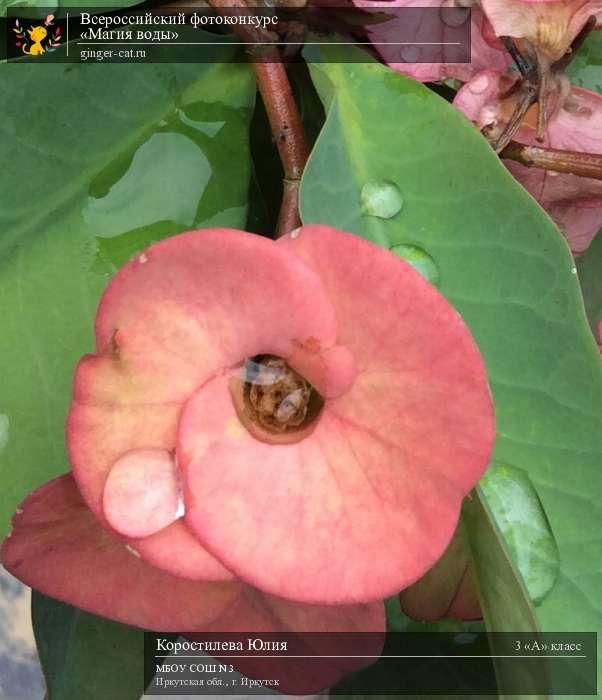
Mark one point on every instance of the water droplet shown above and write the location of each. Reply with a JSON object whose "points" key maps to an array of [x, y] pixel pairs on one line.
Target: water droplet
{"points": [[19, 511], [479, 84], [4, 423], [381, 198], [452, 15], [521, 518], [296, 233], [143, 258], [573, 270], [409, 54], [420, 260]]}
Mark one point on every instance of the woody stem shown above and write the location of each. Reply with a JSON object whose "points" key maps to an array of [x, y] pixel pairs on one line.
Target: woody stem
{"points": [[581, 164], [285, 121]]}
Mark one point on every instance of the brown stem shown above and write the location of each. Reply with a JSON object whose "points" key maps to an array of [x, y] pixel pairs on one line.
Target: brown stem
{"points": [[581, 164], [283, 115], [288, 132], [527, 98], [542, 102]]}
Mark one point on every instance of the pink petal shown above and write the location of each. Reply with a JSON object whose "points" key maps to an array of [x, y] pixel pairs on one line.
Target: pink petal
{"points": [[575, 203], [485, 51], [549, 26], [58, 548], [171, 319], [99, 435], [365, 504]]}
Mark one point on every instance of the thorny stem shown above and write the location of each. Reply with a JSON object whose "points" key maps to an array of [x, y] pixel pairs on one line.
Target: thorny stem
{"points": [[524, 68], [530, 91], [283, 115], [528, 97], [288, 132], [536, 81], [581, 164]]}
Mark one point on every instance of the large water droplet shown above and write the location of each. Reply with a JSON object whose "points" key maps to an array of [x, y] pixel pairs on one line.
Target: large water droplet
{"points": [[409, 54], [521, 518], [420, 260], [4, 422], [452, 15], [381, 198]]}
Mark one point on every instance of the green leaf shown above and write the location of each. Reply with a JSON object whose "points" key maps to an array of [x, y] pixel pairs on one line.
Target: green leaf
{"points": [[519, 515], [502, 595], [589, 267], [120, 158], [505, 267], [84, 656], [585, 69]]}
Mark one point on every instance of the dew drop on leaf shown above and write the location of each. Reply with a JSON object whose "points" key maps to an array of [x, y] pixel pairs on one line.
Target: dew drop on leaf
{"points": [[520, 515], [420, 260], [382, 199]]}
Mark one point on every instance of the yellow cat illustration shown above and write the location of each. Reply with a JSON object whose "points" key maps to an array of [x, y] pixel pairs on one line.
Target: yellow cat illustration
{"points": [[37, 35]]}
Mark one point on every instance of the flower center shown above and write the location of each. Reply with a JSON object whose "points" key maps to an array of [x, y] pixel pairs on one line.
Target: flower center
{"points": [[278, 398]]}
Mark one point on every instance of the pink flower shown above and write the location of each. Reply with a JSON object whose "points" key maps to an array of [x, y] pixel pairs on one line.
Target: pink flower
{"points": [[242, 496], [575, 203], [486, 50], [549, 26]]}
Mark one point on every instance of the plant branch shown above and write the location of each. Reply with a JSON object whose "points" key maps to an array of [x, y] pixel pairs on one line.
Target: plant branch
{"points": [[573, 162], [283, 115]]}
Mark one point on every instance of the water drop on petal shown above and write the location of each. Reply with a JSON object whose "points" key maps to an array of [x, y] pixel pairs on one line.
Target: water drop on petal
{"points": [[479, 84], [452, 15], [409, 54], [142, 494]]}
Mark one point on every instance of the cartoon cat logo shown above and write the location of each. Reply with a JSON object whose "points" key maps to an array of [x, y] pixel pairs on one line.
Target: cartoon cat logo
{"points": [[37, 40]]}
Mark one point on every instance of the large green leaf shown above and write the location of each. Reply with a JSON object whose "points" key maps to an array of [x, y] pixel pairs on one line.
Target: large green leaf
{"points": [[502, 595], [84, 656], [503, 264], [517, 511], [503, 598], [111, 159]]}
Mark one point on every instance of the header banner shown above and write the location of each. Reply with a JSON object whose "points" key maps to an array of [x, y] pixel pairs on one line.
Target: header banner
{"points": [[199, 35]]}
